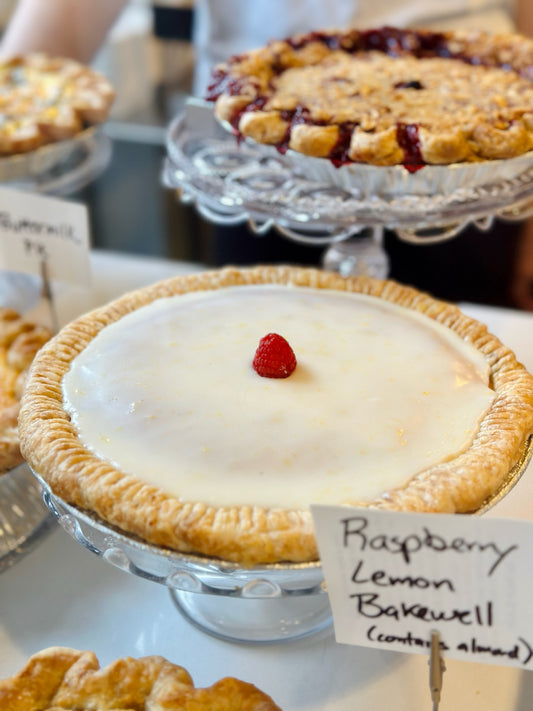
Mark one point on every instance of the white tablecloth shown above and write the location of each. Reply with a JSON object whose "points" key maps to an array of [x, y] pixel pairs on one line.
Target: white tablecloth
{"points": [[61, 594]]}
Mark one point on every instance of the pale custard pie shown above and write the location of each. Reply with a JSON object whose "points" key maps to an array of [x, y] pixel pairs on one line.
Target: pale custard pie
{"points": [[206, 413]]}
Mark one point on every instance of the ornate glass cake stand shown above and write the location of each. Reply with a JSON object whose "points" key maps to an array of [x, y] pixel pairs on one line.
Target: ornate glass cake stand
{"points": [[345, 209], [259, 605]]}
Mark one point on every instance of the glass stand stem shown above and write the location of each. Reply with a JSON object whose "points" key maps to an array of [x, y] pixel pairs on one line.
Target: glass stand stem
{"points": [[361, 255]]}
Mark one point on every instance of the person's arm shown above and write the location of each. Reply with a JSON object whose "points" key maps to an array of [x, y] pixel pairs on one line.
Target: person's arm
{"points": [[69, 28]]}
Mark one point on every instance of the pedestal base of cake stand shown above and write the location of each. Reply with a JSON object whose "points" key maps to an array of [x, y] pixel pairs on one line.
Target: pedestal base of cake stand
{"points": [[260, 605], [265, 620]]}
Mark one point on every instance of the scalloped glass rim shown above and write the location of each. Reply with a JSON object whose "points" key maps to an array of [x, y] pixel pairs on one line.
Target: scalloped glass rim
{"points": [[320, 213]]}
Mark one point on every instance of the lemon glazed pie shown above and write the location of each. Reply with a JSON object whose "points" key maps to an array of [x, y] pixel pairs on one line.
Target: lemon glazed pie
{"points": [[207, 412]]}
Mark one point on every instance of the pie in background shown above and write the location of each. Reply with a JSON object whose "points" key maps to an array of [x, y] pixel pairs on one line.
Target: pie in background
{"points": [[47, 99], [19, 342], [65, 679], [383, 96], [190, 408]]}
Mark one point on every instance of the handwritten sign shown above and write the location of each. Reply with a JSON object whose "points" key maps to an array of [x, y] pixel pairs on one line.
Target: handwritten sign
{"points": [[37, 229], [393, 577]]}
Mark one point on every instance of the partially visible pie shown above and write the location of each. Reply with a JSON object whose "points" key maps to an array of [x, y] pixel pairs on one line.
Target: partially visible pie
{"points": [[384, 97], [19, 342], [64, 679], [46, 99], [150, 414]]}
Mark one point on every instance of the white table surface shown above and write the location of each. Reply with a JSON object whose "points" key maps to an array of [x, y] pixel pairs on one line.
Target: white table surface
{"points": [[61, 594]]}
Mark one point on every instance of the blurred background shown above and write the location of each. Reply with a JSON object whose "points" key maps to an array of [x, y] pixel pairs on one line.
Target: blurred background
{"points": [[149, 58]]}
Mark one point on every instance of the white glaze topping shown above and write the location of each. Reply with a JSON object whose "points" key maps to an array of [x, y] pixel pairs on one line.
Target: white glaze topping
{"points": [[168, 393]]}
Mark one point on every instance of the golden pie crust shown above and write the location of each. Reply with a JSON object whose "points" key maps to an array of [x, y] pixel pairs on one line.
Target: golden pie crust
{"points": [[254, 534], [64, 679], [19, 342], [46, 99], [385, 97]]}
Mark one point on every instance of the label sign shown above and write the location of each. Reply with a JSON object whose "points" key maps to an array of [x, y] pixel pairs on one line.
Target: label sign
{"points": [[393, 577], [37, 229]]}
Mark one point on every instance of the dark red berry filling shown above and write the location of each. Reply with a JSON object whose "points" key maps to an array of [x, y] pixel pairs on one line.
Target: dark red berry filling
{"points": [[409, 142], [389, 40]]}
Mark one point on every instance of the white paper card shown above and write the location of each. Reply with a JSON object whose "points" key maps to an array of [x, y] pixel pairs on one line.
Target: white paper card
{"points": [[37, 229], [393, 577]]}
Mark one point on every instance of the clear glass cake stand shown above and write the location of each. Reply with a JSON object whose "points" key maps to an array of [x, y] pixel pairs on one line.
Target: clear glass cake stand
{"points": [[343, 209], [260, 605]]}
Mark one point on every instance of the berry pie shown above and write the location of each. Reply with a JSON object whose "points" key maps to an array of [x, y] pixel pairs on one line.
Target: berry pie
{"points": [[389, 398], [64, 679], [383, 97]]}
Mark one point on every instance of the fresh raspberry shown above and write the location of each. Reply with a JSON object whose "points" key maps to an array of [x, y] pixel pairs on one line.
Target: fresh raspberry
{"points": [[274, 358]]}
